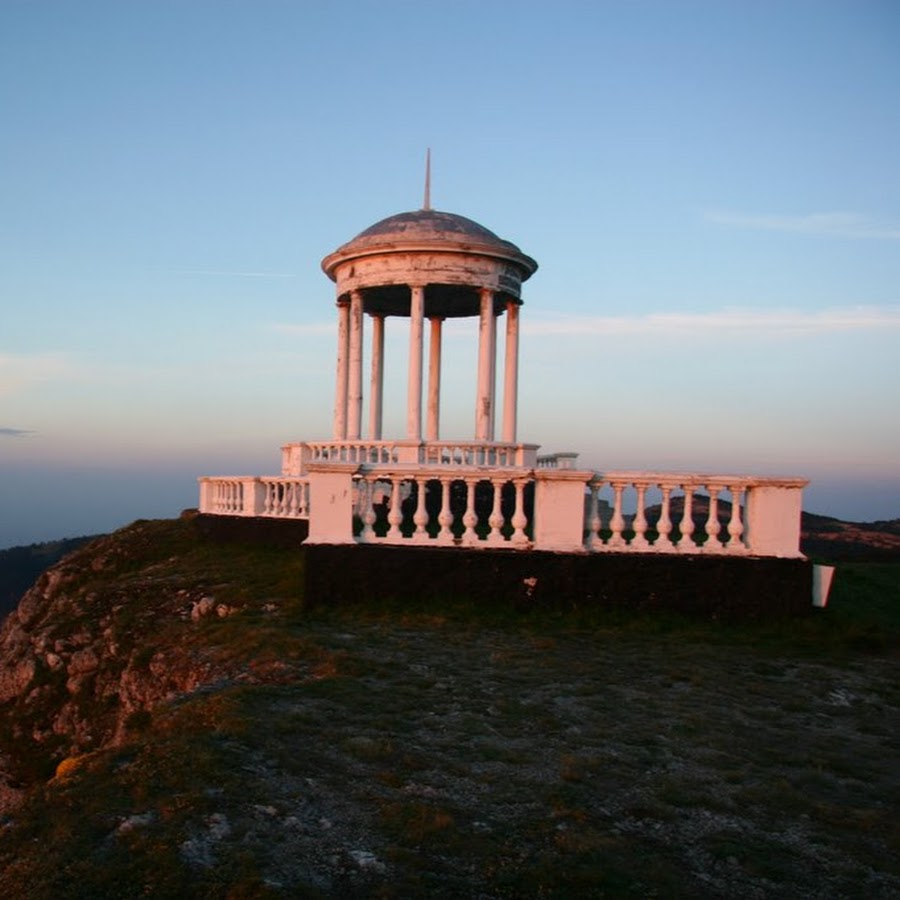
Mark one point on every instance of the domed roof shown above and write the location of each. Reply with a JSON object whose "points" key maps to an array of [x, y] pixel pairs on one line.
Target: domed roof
{"points": [[428, 229]]}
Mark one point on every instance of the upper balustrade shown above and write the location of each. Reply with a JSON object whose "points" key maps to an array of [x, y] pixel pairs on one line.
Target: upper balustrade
{"points": [[297, 457]]}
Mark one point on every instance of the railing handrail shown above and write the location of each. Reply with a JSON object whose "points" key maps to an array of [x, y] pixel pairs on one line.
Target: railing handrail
{"points": [[695, 479]]}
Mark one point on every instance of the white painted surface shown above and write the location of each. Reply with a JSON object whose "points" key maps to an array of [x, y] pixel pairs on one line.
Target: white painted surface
{"points": [[414, 385], [822, 577], [340, 387]]}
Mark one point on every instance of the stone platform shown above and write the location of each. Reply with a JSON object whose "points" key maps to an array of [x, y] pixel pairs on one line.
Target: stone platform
{"points": [[712, 587]]}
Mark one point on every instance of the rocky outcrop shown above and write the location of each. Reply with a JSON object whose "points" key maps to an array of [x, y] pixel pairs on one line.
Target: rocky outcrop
{"points": [[104, 636]]}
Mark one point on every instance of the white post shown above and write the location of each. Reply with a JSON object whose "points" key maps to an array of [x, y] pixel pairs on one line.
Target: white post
{"points": [[432, 432], [206, 495], [773, 518], [484, 402], [414, 386], [511, 373], [559, 509], [340, 394], [331, 496], [354, 400], [254, 497], [376, 385]]}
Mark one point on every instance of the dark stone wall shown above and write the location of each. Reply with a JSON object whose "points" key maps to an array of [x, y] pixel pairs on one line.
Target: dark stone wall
{"points": [[715, 587], [287, 533]]}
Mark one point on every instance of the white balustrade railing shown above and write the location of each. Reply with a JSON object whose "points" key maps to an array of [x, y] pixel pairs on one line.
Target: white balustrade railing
{"points": [[545, 508], [360, 452], [275, 496], [694, 513], [222, 496], [470, 453], [286, 498], [556, 460], [432, 506]]}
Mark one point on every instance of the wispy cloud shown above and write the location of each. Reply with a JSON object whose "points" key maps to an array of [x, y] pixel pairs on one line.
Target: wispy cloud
{"points": [[826, 224], [229, 273], [773, 322], [20, 370], [14, 432]]}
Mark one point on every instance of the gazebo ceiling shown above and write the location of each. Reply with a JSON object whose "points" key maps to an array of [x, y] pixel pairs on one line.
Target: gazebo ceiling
{"points": [[446, 301]]}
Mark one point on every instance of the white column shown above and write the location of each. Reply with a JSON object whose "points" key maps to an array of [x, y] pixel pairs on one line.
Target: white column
{"points": [[487, 352], [354, 387], [511, 373], [432, 432], [340, 394], [414, 384], [376, 385]]}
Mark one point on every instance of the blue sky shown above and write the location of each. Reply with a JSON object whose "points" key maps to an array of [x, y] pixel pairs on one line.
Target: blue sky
{"points": [[712, 190]]}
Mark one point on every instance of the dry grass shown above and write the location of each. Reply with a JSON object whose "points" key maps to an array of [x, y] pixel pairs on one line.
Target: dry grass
{"points": [[449, 753]]}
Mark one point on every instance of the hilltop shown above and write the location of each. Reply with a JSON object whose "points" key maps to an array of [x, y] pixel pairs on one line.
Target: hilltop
{"points": [[178, 720]]}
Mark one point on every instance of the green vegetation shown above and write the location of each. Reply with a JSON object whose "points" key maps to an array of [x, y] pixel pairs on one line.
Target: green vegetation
{"points": [[454, 751]]}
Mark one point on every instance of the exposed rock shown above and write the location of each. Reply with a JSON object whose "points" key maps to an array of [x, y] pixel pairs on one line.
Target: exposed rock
{"points": [[76, 657]]}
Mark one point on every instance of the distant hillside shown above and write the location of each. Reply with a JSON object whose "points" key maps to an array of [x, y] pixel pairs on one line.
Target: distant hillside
{"points": [[20, 567], [837, 541]]}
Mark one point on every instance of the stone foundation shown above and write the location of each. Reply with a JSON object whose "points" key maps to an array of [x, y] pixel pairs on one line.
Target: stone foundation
{"points": [[712, 587], [287, 533]]}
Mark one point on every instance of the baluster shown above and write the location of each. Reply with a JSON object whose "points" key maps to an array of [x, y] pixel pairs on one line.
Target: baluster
{"points": [[295, 500], [735, 523], [495, 519], [470, 518], [686, 543], [713, 544], [279, 499], [639, 542], [664, 525], [368, 516], [445, 517], [617, 522], [519, 519], [594, 523], [395, 513], [420, 517]]}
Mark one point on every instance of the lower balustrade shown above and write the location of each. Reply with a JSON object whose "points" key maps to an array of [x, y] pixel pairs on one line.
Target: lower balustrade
{"points": [[286, 498], [522, 508], [672, 513], [277, 497], [439, 509]]}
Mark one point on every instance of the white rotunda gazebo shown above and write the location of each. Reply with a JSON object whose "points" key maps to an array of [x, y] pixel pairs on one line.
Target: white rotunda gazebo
{"points": [[490, 491], [426, 265]]}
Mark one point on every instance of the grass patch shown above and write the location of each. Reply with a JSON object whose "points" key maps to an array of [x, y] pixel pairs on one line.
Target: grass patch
{"points": [[448, 750]]}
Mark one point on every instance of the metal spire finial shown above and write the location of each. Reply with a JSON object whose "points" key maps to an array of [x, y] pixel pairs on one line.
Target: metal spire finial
{"points": [[427, 204]]}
